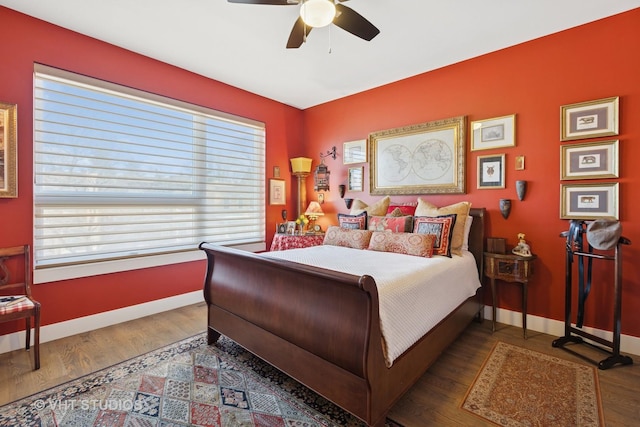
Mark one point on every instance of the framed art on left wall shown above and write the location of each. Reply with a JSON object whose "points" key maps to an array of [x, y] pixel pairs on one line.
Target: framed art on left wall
{"points": [[276, 192], [8, 151]]}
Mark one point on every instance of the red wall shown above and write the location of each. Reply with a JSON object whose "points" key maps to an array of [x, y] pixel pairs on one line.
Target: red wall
{"points": [[531, 80], [32, 41]]}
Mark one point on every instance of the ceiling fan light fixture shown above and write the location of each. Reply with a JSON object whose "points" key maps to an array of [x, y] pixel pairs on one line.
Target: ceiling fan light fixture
{"points": [[318, 13]]}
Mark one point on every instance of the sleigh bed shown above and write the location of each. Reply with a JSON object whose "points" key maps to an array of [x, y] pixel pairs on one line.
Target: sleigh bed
{"points": [[323, 327]]}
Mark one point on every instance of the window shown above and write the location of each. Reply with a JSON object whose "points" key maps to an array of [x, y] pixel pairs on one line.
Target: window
{"points": [[122, 174]]}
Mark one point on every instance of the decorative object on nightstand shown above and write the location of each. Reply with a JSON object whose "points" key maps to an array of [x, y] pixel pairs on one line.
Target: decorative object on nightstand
{"points": [[513, 269], [523, 248], [314, 210]]}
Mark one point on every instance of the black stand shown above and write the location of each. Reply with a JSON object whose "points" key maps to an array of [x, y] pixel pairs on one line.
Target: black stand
{"points": [[574, 334]]}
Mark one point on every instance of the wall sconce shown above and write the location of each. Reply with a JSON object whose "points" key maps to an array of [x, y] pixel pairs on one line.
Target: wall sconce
{"points": [[341, 190], [301, 167], [322, 174]]}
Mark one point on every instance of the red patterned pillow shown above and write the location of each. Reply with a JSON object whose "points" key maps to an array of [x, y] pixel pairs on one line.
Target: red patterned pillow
{"points": [[358, 222], [406, 209], [440, 226], [403, 243], [401, 224], [349, 238]]}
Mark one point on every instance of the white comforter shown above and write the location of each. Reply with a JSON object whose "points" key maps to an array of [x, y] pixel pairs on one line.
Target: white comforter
{"points": [[415, 293]]}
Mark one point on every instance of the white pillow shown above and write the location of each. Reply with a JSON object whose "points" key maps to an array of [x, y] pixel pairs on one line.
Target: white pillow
{"points": [[467, 229]]}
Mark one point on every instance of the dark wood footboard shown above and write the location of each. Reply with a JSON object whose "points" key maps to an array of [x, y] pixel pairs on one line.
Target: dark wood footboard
{"points": [[321, 327]]}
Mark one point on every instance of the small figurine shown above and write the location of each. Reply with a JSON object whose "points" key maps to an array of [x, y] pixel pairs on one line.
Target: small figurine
{"points": [[522, 249]]}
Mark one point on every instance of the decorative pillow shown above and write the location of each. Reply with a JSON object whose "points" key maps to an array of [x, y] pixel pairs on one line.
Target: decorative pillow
{"points": [[441, 227], [405, 208], [395, 212], [467, 230], [403, 243], [349, 238], [379, 208], [401, 224], [461, 209], [358, 222]]}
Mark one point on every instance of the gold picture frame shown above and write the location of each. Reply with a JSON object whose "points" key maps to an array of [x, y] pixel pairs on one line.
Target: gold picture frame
{"points": [[427, 158], [277, 195], [8, 150], [589, 201], [498, 132], [589, 119], [354, 152], [590, 160]]}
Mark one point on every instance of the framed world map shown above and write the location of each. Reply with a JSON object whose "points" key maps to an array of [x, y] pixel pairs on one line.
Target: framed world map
{"points": [[419, 159]]}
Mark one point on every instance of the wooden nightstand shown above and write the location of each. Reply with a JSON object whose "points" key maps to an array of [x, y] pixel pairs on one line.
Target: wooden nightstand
{"points": [[509, 268]]}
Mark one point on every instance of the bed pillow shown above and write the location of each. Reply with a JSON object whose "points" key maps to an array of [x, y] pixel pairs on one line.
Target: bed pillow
{"points": [[441, 227], [357, 222], [404, 208], [379, 208], [403, 243], [461, 209], [467, 230], [347, 237], [401, 224]]}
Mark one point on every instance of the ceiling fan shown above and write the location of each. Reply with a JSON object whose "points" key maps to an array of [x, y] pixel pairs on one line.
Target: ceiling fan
{"points": [[320, 13]]}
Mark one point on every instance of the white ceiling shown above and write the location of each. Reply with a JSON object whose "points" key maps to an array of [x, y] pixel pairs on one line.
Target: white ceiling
{"points": [[244, 45]]}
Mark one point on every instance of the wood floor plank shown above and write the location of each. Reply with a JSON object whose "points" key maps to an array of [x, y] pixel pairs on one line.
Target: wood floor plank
{"points": [[434, 400]]}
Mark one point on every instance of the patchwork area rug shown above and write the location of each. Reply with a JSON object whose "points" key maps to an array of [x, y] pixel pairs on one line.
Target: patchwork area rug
{"points": [[186, 384], [520, 387]]}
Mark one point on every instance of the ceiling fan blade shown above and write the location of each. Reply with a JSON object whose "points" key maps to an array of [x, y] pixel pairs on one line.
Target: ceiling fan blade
{"points": [[270, 2], [351, 21], [297, 36]]}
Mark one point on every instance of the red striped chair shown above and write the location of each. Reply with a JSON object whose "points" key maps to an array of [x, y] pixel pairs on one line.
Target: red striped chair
{"points": [[15, 296]]}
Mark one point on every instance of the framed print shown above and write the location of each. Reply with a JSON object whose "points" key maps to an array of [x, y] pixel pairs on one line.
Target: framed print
{"points": [[589, 201], [291, 227], [276, 192], [491, 171], [519, 163], [589, 160], [8, 151], [355, 180], [282, 228], [276, 171], [493, 133], [426, 158], [354, 152], [589, 119]]}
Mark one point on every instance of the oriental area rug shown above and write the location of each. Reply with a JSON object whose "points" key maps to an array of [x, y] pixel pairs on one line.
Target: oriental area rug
{"points": [[185, 384], [520, 387]]}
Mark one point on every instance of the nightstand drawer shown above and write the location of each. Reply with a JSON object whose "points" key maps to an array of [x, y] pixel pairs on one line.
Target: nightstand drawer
{"points": [[508, 269]]}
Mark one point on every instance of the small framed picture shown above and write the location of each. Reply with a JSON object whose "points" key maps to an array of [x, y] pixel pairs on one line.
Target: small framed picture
{"points": [[590, 160], [491, 171], [291, 227], [589, 119], [589, 201], [355, 178], [519, 163], [493, 133], [276, 192], [354, 152], [276, 171], [282, 228]]}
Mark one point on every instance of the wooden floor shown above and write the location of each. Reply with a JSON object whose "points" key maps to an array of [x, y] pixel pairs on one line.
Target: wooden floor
{"points": [[434, 400]]}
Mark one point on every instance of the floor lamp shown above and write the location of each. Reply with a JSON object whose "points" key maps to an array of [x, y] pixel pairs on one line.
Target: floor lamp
{"points": [[301, 167]]}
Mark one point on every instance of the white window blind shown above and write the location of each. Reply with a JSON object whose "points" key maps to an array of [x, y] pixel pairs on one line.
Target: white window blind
{"points": [[121, 173]]}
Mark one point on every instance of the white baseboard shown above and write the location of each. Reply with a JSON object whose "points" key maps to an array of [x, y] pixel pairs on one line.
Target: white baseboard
{"points": [[628, 343], [16, 340]]}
